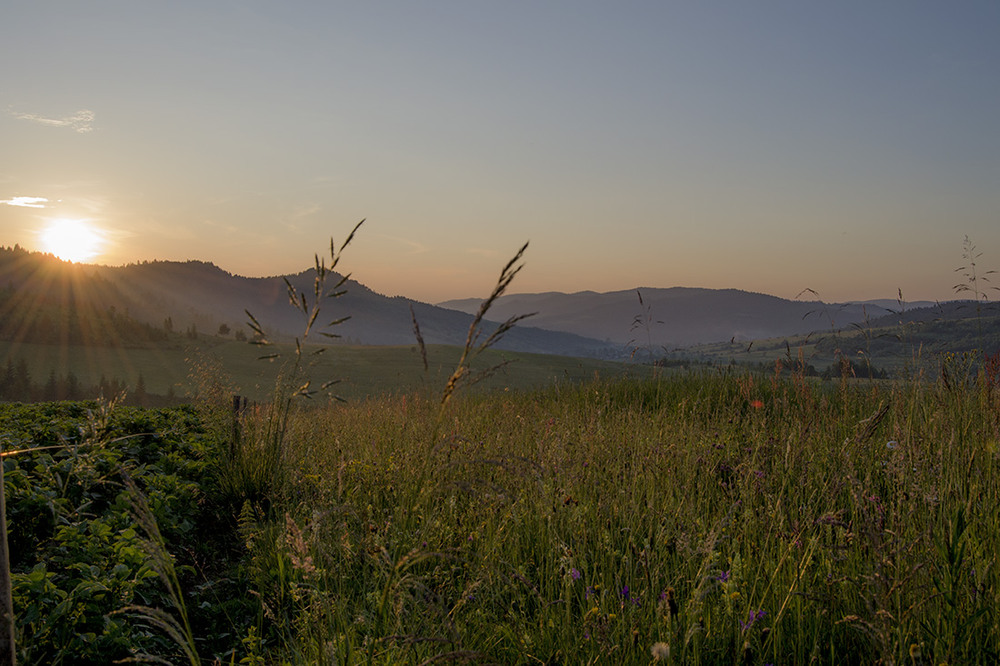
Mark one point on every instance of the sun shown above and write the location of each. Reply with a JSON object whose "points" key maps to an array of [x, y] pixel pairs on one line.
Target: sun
{"points": [[72, 240]]}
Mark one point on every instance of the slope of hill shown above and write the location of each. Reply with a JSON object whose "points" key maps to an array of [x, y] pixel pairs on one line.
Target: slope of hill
{"points": [[161, 296], [902, 341], [954, 326], [45, 300]]}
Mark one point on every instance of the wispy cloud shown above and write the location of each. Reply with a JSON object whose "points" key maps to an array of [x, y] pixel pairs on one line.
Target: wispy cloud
{"points": [[292, 219], [304, 211], [81, 122], [416, 247], [26, 202]]}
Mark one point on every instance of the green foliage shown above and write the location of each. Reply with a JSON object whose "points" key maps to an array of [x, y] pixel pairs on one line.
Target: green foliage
{"points": [[734, 517], [77, 558]]}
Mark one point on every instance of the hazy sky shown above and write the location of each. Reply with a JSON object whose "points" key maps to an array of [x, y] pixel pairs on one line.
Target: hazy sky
{"points": [[846, 147]]}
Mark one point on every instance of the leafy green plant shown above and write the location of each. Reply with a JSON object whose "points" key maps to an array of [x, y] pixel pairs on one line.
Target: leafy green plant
{"points": [[78, 560], [176, 627]]}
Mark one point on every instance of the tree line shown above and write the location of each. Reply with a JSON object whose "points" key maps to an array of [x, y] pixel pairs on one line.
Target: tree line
{"points": [[18, 385]]}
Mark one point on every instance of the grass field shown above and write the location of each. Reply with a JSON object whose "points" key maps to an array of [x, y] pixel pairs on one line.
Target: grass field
{"points": [[363, 371], [690, 518]]}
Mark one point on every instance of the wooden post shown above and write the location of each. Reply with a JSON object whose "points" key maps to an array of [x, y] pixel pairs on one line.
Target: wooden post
{"points": [[239, 404], [8, 657]]}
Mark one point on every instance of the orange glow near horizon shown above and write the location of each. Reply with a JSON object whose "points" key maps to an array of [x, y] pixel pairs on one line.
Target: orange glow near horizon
{"points": [[72, 240]]}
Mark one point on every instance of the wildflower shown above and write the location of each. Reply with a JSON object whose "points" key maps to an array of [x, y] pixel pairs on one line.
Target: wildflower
{"points": [[891, 444], [757, 404], [723, 577], [574, 573], [625, 592], [753, 617], [299, 550], [660, 651]]}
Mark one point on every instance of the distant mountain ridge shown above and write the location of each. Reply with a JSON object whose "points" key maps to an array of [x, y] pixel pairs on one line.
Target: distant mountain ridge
{"points": [[135, 302], [678, 316]]}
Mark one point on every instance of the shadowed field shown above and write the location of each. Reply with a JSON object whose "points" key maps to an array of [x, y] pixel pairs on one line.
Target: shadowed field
{"points": [[364, 371]]}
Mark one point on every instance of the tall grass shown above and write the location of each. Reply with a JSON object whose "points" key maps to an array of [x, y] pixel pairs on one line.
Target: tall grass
{"points": [[706, 518], [728, 517]]}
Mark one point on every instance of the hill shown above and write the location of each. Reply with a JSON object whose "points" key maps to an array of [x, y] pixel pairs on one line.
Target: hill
{"points": [[162, 307], [920, 337], [678, 316], [49, 300]]}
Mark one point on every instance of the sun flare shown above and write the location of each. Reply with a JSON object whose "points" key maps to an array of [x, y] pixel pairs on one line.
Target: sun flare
{"points": [[72, 240]]}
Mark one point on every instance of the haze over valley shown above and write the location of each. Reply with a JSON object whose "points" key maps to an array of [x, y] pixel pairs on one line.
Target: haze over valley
{"points": [[43, 296]]}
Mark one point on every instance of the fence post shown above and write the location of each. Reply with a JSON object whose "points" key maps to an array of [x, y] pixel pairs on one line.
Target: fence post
{"points": [[8, 657], [239, 405]]}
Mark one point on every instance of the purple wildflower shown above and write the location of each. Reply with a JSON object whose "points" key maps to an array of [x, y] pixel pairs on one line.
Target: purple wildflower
{"points": [[753, 617], [723, 577], [574, 573]]}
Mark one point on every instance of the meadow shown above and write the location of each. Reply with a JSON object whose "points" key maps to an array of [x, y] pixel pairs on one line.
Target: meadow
{"points": [[363, 371], [717, 517], [721, 516]]}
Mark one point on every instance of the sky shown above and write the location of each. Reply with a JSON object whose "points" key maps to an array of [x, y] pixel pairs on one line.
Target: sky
{"points": [[844, 147]]}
